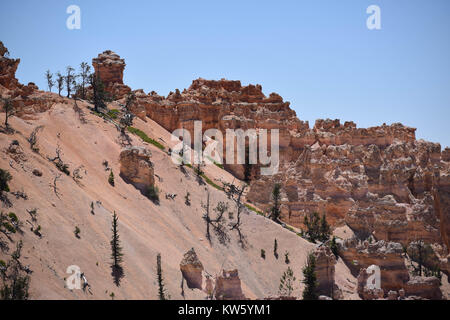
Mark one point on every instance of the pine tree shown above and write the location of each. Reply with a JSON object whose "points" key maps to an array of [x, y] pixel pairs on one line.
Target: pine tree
{"points": [[15, 280], [420, 252], [5, 177], [334, 247], [99, 94], [116, 249], [161, 286], [275, 248], [312, 227], [70, 80], [9, 110], [84, 75], [325, 230], [59, 82], [287, 283], [310, 279], [276, 197], [50, 81]]}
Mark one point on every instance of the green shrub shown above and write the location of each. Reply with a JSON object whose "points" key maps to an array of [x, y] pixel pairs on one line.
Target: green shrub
{"points": [[210, 182], [144, 137], [9, 227], [152, 193], [5, 177], [13, 217], [113, 114], [37, 231], [254, 209], [111, 178]]}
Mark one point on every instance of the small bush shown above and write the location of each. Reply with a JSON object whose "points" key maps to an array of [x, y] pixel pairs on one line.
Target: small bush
{"points": [[37, 231], [187, 199], [12, 216], [254, 209], [111, 178], [153, 194], [9, 227], [113, 114], [77, 232], [263, 253], [286, 257], [63, 167], [5, 177]]}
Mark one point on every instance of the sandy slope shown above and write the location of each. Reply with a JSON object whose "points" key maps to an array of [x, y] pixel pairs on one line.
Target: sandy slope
{"points": [[145, 228]]}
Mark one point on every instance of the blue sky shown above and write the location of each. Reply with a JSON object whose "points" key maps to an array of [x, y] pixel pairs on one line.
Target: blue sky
{"points": [[317, 54]]}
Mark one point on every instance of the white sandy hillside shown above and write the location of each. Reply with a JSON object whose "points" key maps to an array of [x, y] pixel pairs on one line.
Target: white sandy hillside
{"points": [[170, 228]]}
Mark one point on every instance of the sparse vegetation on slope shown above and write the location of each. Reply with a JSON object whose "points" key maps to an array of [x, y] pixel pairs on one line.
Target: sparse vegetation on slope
{"points": [[141, 134]]}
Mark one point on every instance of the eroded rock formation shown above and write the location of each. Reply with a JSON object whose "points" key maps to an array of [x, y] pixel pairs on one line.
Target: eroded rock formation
{"points": [[136, 167], [228, 286], [424, 287], [379, 180], [110, 67], [26, 99], [192, 269], [386, 255], [325, 262]]}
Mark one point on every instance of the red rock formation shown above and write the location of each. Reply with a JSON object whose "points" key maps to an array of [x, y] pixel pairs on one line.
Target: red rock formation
{"points": [[386, 255], [325, 262], [228, 286], [379, 180], [26, 99], [424, 287], [110, 67], [192, 270], [367, 293], [136, 167], [8, 68]]}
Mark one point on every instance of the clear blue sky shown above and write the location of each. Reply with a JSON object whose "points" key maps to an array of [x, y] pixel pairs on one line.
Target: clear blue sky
{"points": [[317, 54]]}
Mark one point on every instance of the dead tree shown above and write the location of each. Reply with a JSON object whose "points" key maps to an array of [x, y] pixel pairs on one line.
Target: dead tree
{"points": [[85, 71], [70, 80], [234, 193], [218, 223], [207, 218], [59, 163], [32, 139], [33, 214], [55, 187]]}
